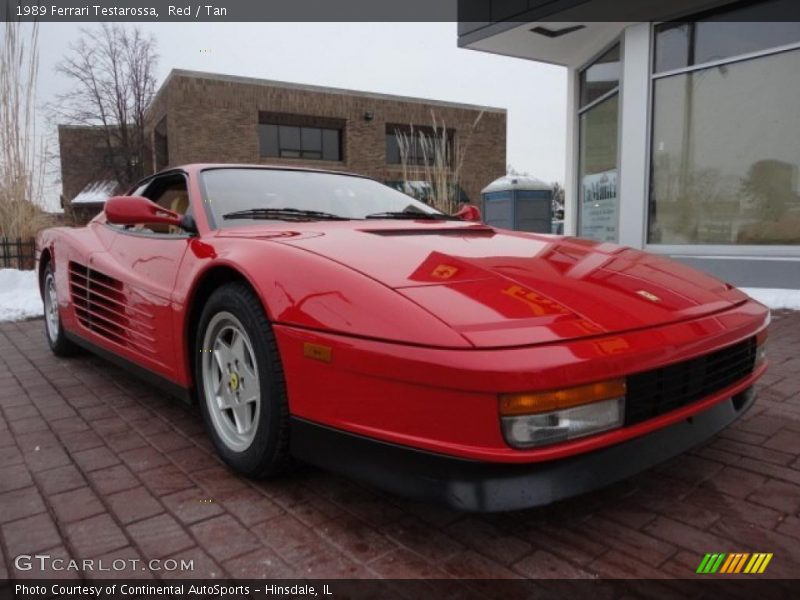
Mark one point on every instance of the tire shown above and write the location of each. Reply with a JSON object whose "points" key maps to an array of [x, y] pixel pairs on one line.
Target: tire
{"points": [[240, 383], [53, 329]]}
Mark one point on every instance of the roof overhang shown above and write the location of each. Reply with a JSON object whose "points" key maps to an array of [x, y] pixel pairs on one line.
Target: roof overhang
{"points": [[568, 32], [570, 50]]}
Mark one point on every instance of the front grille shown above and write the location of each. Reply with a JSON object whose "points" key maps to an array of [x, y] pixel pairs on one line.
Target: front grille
{"points": [[659, 391]]}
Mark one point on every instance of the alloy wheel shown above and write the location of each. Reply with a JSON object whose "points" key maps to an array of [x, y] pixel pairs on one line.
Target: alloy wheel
{"points": [[231, 382], [51, 307]]}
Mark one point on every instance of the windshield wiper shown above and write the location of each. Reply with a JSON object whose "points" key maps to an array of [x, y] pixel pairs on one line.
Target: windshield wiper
{"points": [[402, 214], [286, 214]]}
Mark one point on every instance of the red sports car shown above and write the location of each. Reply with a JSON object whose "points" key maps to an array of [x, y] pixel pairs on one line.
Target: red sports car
{"points": [[326, 317]]}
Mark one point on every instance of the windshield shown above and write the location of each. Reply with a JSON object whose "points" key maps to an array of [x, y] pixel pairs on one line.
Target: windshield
{"points": [[271, 191]]}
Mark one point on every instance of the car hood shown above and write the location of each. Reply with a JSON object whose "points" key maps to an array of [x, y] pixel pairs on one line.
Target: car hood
{"points": [[504, 288]]}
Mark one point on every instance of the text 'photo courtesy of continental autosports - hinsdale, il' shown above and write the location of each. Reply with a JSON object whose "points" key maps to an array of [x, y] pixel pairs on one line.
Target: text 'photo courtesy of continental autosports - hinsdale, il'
{"points": [[327, 318]]}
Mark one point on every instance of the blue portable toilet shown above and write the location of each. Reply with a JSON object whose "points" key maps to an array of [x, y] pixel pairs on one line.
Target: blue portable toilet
{"points": [[518, 202]]}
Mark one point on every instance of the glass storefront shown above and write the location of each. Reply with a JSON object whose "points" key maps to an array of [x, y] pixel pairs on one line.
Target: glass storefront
{"points": [[598, 150], [725, 150]]}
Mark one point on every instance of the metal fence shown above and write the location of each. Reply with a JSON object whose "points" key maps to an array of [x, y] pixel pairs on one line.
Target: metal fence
{"points": [[17, 254]]}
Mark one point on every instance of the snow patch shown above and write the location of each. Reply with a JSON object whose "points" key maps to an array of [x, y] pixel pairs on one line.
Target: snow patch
{"points": [[96, 192], [19, 295], [775, 298]]}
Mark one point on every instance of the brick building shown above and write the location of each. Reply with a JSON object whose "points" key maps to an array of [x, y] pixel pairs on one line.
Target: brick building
{"points": [[84, 165], [204, 117]]}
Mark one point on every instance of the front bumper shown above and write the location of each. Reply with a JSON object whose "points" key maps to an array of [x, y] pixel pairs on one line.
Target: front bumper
{"points": [[445, 401], [490, 487]]}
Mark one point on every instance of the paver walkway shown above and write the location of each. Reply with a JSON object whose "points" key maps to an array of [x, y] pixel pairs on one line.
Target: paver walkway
{"points": [[96, 464]]}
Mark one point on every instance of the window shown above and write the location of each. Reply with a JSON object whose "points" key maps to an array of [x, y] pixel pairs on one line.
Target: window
{"points": [[725, 137], [744, 30], [228, 190], [168, 191], [601, 77], [287, 141], [297, 136], [598, 147], [418, 145]]}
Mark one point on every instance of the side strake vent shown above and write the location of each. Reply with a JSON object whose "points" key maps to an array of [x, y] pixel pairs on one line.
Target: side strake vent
{"points": [[101, 306]]}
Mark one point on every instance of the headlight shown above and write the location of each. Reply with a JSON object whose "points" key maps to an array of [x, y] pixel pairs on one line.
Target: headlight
{"points": [[540, 418]]}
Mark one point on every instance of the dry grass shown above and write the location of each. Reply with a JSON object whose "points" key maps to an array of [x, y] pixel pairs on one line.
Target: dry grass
{"points": [[21, 156], [442, 160]]}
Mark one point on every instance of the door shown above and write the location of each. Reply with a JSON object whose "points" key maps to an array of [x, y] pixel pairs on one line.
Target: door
{"points": [[140, 268]]}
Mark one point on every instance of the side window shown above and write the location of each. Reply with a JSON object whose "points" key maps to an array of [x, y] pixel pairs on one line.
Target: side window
{"points": [[174, 198], [173, 195], [169, 192]]}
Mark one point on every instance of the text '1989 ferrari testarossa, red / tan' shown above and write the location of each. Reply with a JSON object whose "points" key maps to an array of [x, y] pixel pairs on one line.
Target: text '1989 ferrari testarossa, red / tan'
{"points": [[326, 317]]}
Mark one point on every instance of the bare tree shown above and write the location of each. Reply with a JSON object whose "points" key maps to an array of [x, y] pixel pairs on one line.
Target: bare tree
{"points": [[510, 170], [21, 150], [435, 157], [113, 69], [558, 200]]}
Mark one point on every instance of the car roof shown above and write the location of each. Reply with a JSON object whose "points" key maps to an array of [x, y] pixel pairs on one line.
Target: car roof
{"points": [[197, 167]]}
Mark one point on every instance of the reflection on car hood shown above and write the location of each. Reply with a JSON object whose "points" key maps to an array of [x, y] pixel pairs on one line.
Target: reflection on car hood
{"points": [[505, 288]]}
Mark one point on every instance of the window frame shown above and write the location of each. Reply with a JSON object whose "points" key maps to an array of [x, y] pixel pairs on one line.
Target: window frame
{"points": [[725, 251], [142, 187], [708, 16], [579, 111], [722, 61], [301, 122], [428, 130], [620, 41]]}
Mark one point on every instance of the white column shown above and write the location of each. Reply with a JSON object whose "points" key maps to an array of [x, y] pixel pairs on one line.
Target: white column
{"points": [[571, 171], [633, 139]]}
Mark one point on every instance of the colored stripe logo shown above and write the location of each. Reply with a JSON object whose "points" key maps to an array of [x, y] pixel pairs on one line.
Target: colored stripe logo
{"points": [[734, 563]]}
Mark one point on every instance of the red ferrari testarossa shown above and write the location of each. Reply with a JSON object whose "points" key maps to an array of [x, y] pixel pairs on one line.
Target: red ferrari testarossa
{"points": [[329, 318]]}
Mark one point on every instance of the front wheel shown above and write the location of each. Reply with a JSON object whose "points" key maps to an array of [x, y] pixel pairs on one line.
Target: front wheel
{"points": [[56, 337], [241, 385]]}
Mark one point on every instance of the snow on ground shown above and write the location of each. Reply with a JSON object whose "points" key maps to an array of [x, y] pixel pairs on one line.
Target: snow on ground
{"points": [[775, 298], [19, 295]]}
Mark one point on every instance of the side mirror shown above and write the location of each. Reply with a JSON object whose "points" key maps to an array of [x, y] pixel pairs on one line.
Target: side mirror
{"points": [[188, 224], [130, 210], [470, 213]]}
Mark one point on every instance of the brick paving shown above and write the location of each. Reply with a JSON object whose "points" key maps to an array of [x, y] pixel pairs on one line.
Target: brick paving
{"points": [[96, 464]]}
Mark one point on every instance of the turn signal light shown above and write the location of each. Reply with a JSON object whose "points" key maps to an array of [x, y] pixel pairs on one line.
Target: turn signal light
{"points": [[541, 418], [540, 429], [539, 402]]}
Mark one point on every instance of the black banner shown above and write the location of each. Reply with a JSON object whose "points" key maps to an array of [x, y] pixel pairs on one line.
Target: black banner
{"points": [[475, 13], [345, 589]]}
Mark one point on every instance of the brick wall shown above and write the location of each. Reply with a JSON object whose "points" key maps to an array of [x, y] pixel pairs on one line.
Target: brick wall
{"points": [[212, 118], [83, 161], [83, 158]]}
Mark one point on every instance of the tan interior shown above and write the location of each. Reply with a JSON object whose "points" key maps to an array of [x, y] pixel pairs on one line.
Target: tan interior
{"points": [[175, 199]]}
